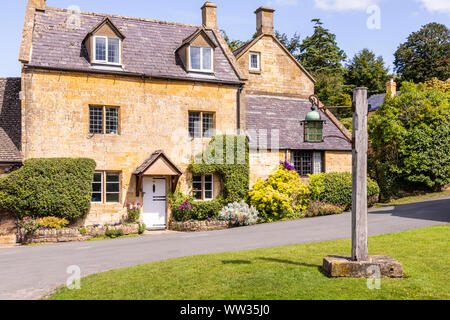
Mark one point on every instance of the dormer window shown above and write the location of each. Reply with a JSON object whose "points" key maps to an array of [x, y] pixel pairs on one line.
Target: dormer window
{"points": [[201, 59], [107, 50]]}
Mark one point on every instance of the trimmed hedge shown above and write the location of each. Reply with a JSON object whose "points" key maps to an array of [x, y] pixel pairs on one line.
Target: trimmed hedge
{"points": [[336, 188], [57, 187]]}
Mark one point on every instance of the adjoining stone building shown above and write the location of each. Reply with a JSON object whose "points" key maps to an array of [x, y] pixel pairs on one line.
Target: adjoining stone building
{"points": [[142, 97], [277, 95]]}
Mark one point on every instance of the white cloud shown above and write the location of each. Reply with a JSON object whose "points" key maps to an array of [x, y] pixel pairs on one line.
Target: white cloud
{"points": [[442, 6], [345, 5]]}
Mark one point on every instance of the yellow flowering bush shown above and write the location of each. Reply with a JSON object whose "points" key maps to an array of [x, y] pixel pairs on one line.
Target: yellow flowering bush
{"points": [[281, 196]]}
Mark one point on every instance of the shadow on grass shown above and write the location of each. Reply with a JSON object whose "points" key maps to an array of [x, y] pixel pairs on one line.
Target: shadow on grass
{"points": [[301, 264], [236, 262]]}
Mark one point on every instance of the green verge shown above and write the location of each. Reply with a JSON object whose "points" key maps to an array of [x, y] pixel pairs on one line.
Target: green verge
{"points": [[412, 199], [290, 273]]}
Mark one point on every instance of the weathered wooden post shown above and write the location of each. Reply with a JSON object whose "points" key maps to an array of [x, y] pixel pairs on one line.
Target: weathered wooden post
{"points": [[360, 264], [360, 250]]}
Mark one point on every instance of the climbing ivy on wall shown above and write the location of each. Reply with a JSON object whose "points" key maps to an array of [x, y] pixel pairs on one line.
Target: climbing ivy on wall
{"points": [[228, 157]]}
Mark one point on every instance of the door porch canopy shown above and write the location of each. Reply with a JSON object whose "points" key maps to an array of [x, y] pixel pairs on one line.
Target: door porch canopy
{"points": [[157, 165]]}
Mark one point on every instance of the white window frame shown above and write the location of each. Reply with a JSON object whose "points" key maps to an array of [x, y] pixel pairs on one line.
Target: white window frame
{"points": [[201, 60], [107, 51], [203, 191], [102, 187], [258, 55], [212, 187]]}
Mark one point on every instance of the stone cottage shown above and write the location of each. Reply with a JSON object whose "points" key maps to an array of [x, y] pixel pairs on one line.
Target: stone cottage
{"points": [[142, 97]]}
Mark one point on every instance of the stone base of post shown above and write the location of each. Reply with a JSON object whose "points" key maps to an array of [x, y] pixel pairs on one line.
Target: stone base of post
{"points": [[377, 267]]}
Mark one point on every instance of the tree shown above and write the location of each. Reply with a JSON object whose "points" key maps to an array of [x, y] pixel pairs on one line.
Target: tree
{"points": [[322, 57], [232, 44], [293, 44], [320, 52], [425, 54], [367, 70], [410, 139]]}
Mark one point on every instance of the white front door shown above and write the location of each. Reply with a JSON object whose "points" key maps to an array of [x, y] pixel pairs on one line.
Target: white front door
{"points": [[155, 197]]}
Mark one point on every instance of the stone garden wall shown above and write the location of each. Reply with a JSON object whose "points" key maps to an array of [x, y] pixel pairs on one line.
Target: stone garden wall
{"points": [[8, 229], [196, 226], [74, 234]]}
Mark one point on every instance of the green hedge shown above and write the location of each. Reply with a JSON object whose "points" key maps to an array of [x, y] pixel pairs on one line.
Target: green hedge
{"points": [[49, 188], [336, 188]]}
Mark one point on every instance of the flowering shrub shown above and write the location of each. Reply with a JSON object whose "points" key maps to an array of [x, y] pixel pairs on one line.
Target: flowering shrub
{"points": [[134, 211], [184, 211], [239, 214], [29, 224], [317, 208], [281, 196], [287, 165], [52, 223]]}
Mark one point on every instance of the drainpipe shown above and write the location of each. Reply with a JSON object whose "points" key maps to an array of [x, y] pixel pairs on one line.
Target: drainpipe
{"points": [[239, 93]]}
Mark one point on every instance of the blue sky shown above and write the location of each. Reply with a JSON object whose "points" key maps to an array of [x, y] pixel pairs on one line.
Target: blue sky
{"points": [[348, 19]]}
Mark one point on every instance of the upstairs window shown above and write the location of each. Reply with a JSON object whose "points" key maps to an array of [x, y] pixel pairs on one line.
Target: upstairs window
{"points": [[201, 125], [255, 61], [103, 120], [201, 59], [107, 50]]}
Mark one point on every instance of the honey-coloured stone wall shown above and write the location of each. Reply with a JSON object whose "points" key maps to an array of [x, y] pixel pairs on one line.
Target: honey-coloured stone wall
{"points": [[153, 115]]}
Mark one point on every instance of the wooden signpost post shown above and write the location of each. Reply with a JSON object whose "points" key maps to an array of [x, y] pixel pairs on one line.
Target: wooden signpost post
{"points": [[360, 264], [360, 250]]}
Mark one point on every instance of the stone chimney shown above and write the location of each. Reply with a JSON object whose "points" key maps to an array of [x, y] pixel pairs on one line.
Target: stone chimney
{"points": [[37, 4], [264, 21], [391, 88], [28, 26], [209, 15]]}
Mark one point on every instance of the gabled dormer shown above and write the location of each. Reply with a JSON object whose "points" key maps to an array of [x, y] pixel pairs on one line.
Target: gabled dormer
{"points": [[104, 45], [197, 53]]}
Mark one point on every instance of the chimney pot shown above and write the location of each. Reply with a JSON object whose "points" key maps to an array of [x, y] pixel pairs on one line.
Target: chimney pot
{"points": [[209, 15], [264, 21]]}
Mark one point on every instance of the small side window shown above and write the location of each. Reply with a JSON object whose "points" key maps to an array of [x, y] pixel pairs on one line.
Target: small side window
{"points": [[255, 61]]}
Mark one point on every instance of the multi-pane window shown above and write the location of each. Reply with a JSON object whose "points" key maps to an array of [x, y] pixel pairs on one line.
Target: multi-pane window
{"points": [[254, 61], [314, 131], [96, 120], [203, 187], [201, 125], [106, 187], [307, 162], [107, 50], [97, 188], [112, 121], [103, 120], [201, 59]]}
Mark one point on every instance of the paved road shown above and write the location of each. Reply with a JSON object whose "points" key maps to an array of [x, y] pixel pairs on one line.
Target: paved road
{"points": [[30, 272]]}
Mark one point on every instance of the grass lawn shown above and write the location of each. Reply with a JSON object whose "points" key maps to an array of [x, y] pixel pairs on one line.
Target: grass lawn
{"points": [[411, 199], [281, 273]]}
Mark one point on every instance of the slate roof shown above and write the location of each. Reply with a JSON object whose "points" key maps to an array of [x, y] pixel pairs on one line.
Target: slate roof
{"points": [[10, 121], [286, 115], [376, 101], [149, 46], [151, 160]]}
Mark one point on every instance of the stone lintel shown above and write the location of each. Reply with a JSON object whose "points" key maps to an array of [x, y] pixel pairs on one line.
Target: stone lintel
{"points": [[344, 267]]}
